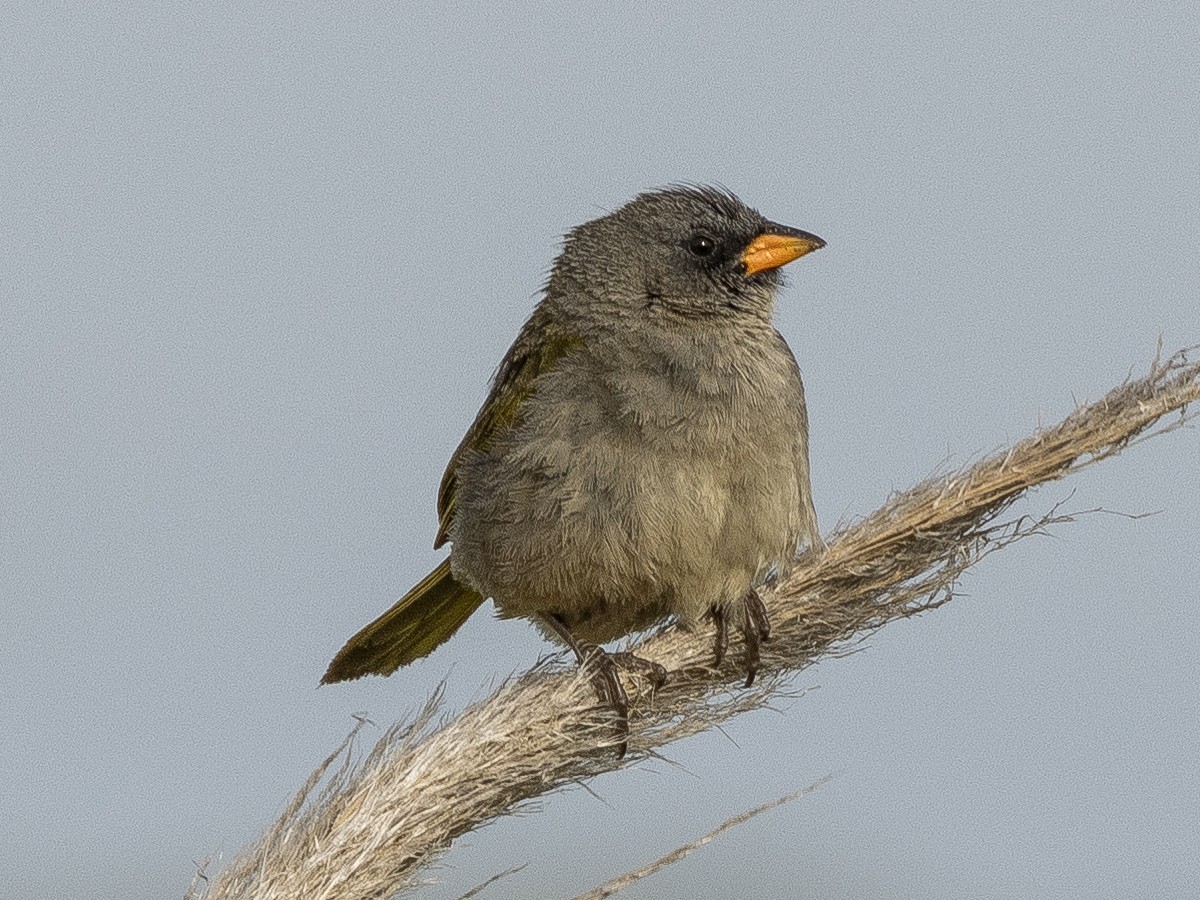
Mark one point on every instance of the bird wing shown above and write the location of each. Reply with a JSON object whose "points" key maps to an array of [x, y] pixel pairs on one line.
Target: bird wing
{"points": [[437, 607], [536, 350]]}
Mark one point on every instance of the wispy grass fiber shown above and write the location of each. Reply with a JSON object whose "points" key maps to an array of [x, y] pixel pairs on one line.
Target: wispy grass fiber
{"points": [[372, 826]]}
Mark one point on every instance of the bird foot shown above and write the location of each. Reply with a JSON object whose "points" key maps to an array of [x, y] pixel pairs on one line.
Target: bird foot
{"points": [[606, 679], [756, 631], [605, 674], [607, 682], [756, 628]]}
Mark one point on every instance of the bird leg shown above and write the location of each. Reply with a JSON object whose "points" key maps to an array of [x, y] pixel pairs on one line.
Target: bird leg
{"points": [[756, 630], [605, 676]]}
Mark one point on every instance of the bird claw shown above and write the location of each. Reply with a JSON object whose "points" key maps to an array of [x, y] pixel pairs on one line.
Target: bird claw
{"points": [[756, 631], [721, 640], [605, 668], [756, 628], [648, 669], [607, 681]]}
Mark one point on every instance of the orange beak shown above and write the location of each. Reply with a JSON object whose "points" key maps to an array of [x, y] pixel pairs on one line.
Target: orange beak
{"points": [[770, 251]]}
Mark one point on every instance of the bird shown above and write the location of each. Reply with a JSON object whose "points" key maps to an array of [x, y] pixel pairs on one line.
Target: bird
{"points": [[642, 452]]}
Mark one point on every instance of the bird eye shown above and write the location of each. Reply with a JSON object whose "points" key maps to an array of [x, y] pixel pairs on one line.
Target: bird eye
{"points": [[701, 245]]}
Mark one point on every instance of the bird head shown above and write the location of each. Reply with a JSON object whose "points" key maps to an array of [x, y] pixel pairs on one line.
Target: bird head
{"points": [[682, 252]]}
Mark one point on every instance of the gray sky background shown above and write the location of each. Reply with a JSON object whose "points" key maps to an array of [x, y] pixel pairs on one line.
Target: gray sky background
{"points": [[258, 261]]}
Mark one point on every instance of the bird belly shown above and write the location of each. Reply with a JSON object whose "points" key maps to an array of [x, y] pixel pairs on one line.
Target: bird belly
{"points": [[611, 535]]}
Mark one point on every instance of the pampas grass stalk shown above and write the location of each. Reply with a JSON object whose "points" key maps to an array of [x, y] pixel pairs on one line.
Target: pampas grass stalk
{"points": [[373, 826], [623, 881]]}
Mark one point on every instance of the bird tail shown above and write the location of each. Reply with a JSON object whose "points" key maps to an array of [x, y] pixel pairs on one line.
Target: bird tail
{"points": [[420, 621]]}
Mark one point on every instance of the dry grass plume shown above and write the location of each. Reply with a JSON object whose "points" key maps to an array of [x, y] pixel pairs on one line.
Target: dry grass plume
{"points": [[373, 825]]}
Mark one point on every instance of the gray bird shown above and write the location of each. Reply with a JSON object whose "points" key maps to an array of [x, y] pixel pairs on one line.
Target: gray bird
{"points": [[643, 450]]}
